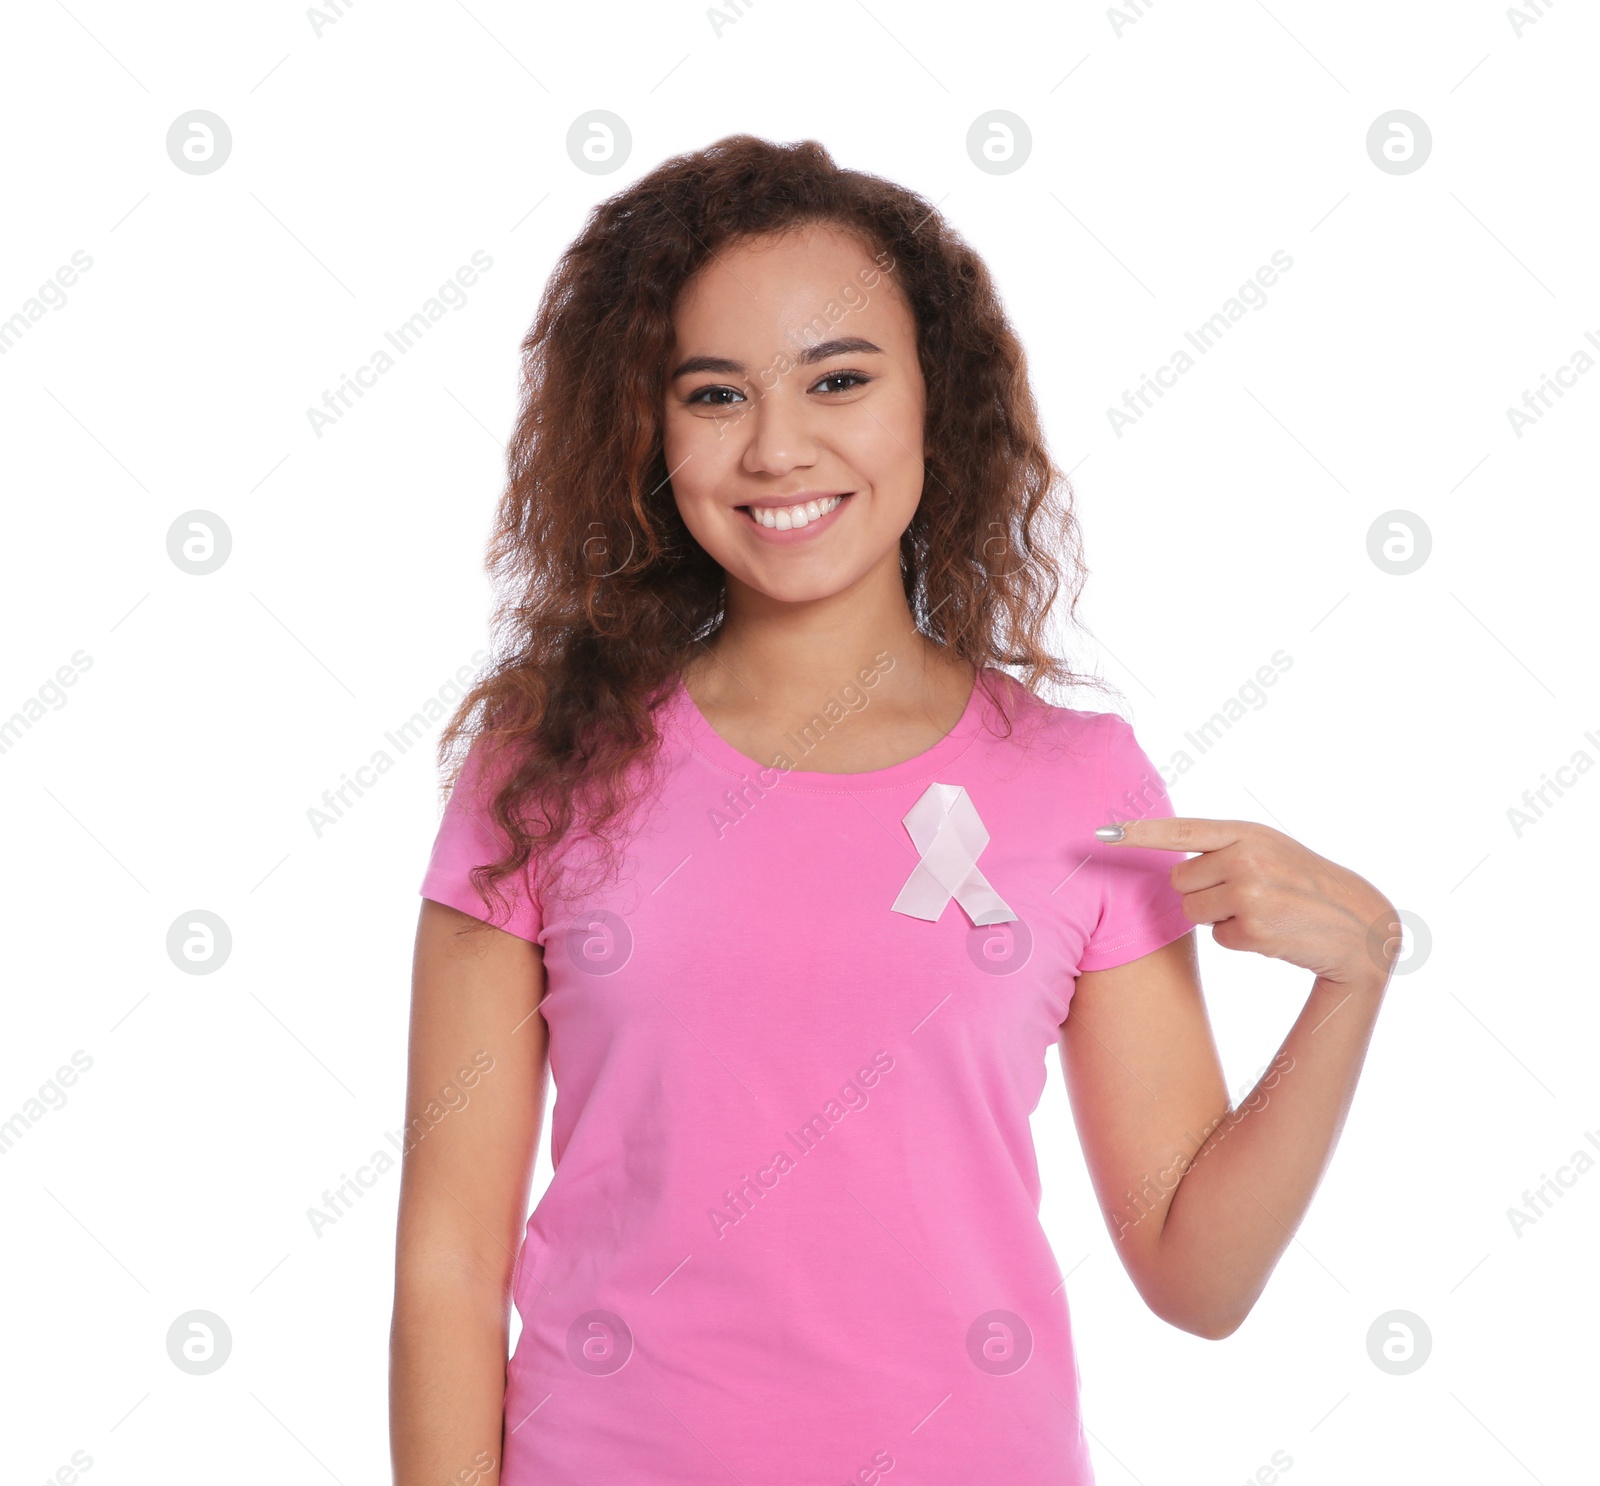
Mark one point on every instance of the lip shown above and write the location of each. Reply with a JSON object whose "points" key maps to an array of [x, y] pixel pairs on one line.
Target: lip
{"points": [[798, 533]]}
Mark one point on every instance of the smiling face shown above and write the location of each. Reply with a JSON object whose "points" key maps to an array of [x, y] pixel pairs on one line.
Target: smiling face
{"points": [[794, 389]]}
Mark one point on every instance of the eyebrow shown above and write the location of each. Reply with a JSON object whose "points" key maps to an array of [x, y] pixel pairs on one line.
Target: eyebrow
{"points": [[851, 345]]}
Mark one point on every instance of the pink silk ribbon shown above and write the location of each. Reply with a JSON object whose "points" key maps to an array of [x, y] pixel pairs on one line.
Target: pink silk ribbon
{"points": [[947, 831]]}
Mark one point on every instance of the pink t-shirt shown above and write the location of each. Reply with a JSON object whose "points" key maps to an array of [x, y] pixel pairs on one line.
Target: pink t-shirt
{"points": [[792, 1236]]}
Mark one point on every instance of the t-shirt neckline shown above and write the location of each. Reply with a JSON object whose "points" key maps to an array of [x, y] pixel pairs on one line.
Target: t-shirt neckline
{"points": [[711, 745]]}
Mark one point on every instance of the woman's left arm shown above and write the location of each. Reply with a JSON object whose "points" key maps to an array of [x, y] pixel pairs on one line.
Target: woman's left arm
{"points": [[1202, 1198]]}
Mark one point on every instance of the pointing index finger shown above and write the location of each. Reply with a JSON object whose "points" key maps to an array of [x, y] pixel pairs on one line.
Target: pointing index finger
{"points": [[1172, 833]]}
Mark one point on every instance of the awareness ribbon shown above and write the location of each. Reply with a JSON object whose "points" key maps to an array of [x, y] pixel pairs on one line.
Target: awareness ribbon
{"points": [[947, 831]]}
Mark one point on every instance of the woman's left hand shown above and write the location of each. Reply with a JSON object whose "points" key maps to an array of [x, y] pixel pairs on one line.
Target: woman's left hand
{"points": [[1261, 890]]}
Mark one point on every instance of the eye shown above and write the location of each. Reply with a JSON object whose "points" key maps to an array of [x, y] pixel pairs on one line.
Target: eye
{"points": [[859, 378], [701, 398]]}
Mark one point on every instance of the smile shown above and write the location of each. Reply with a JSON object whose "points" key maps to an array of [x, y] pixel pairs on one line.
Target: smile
{"points": [[804, 522], [791, 518]]}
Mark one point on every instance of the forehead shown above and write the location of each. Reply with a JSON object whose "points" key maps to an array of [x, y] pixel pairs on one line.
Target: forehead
{"points": [[788, 290]]}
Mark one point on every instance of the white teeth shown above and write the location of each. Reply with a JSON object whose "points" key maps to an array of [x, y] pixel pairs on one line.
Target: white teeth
{"points": [[785, 518]]}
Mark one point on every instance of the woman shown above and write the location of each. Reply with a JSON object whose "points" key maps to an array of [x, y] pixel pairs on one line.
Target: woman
{"points": [[795, 886]]}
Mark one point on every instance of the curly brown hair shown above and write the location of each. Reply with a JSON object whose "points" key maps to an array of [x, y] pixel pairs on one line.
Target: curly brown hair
{"points": [[602, 593]]}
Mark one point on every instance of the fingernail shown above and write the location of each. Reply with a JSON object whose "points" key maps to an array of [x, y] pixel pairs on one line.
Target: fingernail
{"points": [[1108, 833]]}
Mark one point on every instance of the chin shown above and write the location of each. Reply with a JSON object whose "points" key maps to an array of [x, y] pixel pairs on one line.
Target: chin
{"points": [[796, 588]]}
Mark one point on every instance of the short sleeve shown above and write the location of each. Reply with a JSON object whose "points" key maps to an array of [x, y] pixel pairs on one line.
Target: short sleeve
{"points": [[1140, 910], [468, 838]]}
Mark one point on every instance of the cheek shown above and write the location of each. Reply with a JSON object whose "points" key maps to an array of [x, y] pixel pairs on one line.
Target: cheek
{"points": [[696, 517], [672, 440], [692, 458], [700, 449], [696, 477], [688, 461], [888, 440], [893, 463]]}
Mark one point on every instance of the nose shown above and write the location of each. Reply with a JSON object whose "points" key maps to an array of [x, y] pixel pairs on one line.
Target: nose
{"points": [[777, 429]]}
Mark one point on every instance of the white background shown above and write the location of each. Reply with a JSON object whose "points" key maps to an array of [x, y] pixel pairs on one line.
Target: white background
{"points": [[1172, 153]]}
